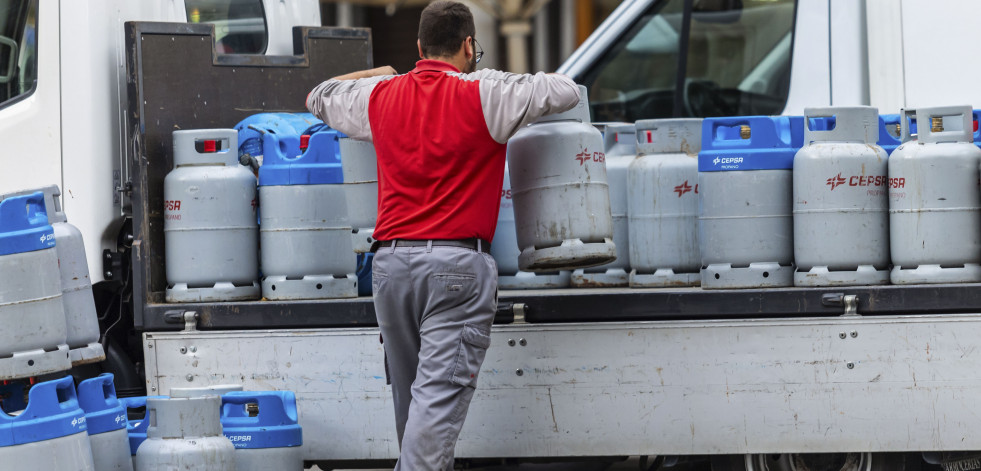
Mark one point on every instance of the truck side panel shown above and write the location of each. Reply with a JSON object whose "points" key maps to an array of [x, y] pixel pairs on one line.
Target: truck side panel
{"points": [[841, 384]]}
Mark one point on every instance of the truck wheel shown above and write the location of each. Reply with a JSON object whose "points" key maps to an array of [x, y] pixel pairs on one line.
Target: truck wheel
{"points": [[815, 462]]}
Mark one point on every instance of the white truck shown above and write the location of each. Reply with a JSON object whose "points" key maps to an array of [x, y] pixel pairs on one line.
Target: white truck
{"points": [[845, 379]]}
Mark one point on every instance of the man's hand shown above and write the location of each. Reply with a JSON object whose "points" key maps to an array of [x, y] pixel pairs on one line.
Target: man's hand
{"points": [[384, 70]]}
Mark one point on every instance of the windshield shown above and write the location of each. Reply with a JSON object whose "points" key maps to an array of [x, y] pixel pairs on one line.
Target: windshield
{"points": [[18, 49], [240, 25], [720, 58]]}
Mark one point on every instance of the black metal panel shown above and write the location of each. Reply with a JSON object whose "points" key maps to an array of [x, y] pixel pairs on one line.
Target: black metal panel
{"points": [[693, 303], [359, 312], [176, 80], [603, 305]]}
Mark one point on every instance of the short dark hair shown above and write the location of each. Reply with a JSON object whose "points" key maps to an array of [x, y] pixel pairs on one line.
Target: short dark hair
{"points": [[443, 27]]}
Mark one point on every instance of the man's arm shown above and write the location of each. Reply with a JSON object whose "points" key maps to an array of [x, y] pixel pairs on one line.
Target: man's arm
{"points": [[342, 102], [384, 70], [511, 101]]}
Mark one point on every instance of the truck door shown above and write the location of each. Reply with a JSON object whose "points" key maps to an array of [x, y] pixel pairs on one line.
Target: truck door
{"points": [[29, 95], [691, 58]]}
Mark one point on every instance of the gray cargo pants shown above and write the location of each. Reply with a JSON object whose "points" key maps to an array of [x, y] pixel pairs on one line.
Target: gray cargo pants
{"points": [[435, 306]]}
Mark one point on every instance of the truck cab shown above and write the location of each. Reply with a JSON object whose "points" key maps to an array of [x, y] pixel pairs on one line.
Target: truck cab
{"points": [[63, 93], [676, 58]]}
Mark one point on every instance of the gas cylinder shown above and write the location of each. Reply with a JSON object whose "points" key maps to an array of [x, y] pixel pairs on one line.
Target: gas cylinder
{"points": [[360, 166], [252, 129], [620, 147], [106, 419], [210, 227], [504, 249], [305, 230], [662, 207], [560, 193], [934, 199], [81, 319], [745, 223], [263, 427], [841, 201], [33, 337], [185, 433], [49, 434], [136, 428]]}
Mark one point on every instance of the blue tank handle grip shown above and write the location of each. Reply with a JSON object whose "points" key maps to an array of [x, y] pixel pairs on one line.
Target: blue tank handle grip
{"points": [[52, 411], [52, 201], [274, 407], [976, 122], [97, 393], [50, 398], [280, 149], [764, 132], [36, 210]]}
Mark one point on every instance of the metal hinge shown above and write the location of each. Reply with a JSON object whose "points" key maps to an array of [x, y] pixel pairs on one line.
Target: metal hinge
{"points": [[848, 301], [189, 318]]}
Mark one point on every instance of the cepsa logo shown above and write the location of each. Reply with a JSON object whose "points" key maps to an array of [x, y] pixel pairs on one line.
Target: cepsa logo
{"points": [[505, 194], [856, 180], [586, 156], [685, 188], [727, 160]]}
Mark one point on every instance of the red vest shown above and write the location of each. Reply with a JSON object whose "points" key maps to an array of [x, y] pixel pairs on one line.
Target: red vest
{"points": [[439, 170]]}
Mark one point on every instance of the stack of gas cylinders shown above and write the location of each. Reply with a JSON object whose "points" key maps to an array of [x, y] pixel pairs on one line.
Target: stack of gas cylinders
{"points": [[280, 207], [54, 425], [841, 196], [46, 303]]}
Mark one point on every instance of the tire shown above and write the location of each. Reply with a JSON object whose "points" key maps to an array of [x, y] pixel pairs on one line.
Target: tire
{"points": [[785, 462]]}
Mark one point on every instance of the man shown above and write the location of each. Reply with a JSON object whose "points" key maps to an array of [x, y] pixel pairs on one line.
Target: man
{"points": [[440, 133]]}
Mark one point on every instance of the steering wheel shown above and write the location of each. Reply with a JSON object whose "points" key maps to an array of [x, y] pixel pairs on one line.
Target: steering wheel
{"points": [[702, 98]]}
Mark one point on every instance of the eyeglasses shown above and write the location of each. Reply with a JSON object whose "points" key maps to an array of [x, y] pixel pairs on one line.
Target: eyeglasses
{"points": [[478, 51]]}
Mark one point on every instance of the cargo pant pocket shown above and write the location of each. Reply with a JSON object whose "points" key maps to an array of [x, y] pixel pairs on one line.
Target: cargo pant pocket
{"points": [[473, 346]]}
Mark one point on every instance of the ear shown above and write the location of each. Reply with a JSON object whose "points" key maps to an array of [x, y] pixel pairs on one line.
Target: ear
{"points": [[468, 47], [419, 45]]}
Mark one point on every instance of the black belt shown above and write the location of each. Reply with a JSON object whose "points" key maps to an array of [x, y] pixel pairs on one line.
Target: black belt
{"points": [[475, 244]]}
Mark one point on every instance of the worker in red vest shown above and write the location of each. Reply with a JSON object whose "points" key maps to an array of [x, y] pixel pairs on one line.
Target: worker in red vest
{"points": [[440, 133]]}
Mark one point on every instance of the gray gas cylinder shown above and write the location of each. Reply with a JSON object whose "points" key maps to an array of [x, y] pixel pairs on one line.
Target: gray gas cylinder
{"points": [[106, 419], [211, 232], [185, 433], [360, 165], [745, 221], [33, 337], [505, 251], [934, 199], [305, 229], [841, 217], [76, 287], [620, 147], [81, 320], [560, 193], [49, 434], [662, 207]]}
